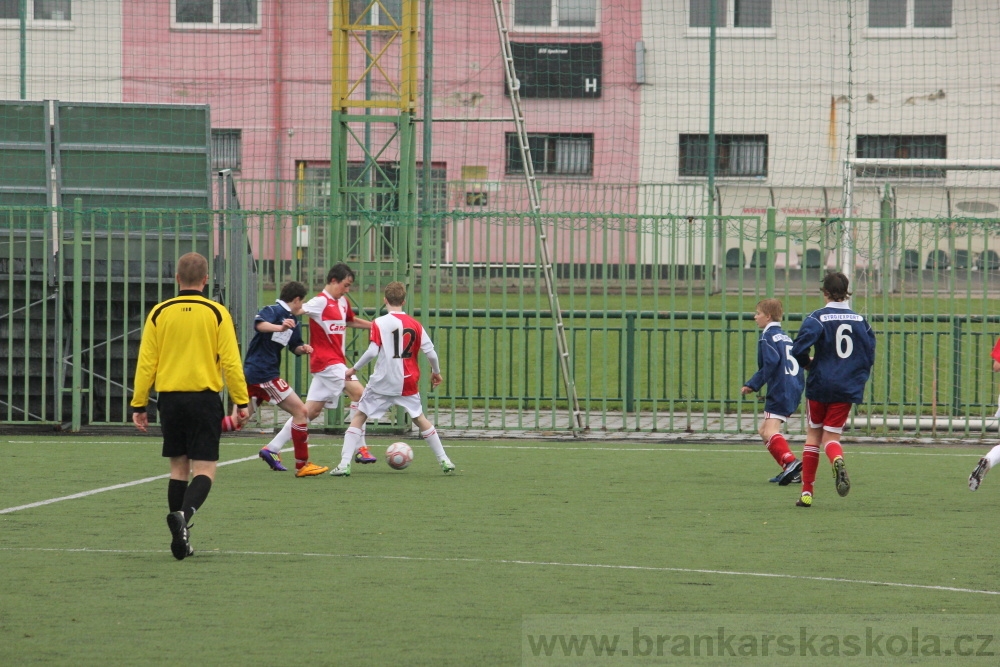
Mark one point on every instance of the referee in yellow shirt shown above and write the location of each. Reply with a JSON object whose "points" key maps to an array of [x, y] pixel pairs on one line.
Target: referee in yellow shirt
{"points": [[188, 342]]}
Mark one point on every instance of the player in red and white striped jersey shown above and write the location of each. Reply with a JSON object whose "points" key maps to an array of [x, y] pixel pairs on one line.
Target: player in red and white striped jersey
{"points": [[396, 341], [330, 315]]}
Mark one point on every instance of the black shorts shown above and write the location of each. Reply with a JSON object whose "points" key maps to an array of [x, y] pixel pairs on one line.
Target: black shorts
{"points": [[191, 422]]}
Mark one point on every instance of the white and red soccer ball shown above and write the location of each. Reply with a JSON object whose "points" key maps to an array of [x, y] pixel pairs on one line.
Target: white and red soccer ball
{"points": [[399, 455]]}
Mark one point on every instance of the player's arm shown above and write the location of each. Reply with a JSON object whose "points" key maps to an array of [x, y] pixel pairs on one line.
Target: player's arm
{"points": [[808, 334], [296, 344], [370, 354], [359, 323], [432, 358], [145, 370], [232, 366], [768, 360]]}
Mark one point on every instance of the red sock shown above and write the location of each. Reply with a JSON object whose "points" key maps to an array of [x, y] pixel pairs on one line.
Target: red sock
{"points": [[810, 461], [778, 447], [300, 441], [833, 450]]}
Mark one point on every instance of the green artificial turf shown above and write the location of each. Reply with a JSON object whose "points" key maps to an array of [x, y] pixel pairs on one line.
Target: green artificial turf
{"points": [[419, 568]]}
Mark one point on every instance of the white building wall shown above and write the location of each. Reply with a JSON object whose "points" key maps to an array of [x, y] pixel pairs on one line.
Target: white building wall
{"points": [[795, 83], [74, 60]]}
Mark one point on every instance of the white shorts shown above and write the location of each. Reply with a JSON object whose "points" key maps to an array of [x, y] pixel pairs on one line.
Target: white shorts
{"points": [[771, 415], [327, 385], [375, 405]]}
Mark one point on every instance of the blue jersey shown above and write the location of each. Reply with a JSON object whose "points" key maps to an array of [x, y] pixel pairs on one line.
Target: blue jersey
{"points": [[779, 370], [263, 358], [843, 346]]}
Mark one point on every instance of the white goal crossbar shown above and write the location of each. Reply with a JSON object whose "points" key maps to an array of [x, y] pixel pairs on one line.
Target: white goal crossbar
{"points": [[895, 163]]}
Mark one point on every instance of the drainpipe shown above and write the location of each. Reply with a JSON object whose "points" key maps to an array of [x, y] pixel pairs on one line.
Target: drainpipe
{"points": [[277, 103]]}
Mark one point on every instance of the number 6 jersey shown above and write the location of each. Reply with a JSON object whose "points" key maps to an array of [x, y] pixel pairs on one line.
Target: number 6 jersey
{"points": [[400, 338], [843, 354]]}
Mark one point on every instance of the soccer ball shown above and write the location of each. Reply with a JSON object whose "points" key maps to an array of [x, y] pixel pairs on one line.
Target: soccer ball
{"points": [[399, 455]]}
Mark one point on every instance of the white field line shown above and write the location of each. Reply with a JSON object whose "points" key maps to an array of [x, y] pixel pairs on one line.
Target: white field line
{"points": [[115, 487], [712, 450], [504, 561]]}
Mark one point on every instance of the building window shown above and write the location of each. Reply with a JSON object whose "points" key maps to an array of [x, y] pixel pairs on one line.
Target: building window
{"points": [[736, 155], [383, 12], [553, 154], [555, 13], [215, 14], [904, 147], [227, 149], [38, 10], [909, 13], [731, 14]]}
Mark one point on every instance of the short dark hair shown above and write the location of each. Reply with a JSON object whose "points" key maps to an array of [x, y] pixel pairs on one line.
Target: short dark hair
{"points": [[395, 293], [340, 273], [835, 286], [293, 290]]}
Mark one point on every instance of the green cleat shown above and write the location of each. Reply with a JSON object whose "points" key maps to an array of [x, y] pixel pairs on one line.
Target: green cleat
{"points": [[806, 500], [840, 477], [447, 466], [342, 471]]}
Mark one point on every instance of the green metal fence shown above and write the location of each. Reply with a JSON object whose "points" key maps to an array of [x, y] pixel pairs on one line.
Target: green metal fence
{"points": [[658, 310]]}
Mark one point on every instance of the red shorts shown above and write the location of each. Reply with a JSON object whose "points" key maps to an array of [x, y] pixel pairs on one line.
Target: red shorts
{"points": [[274, 391], [828, 416]]}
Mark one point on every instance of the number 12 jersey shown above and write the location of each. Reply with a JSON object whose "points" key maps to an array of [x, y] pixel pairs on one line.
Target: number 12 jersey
{"points": [[400, 339]]}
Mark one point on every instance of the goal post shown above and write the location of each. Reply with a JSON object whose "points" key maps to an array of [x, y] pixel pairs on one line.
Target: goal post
{"points": [[850, 174]]}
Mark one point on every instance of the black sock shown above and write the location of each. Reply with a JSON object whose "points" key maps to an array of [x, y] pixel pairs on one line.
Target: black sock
{"points": [[197, 491], [175, 494]]}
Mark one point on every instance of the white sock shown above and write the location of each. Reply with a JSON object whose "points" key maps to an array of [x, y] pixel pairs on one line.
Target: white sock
{"points": [[283, 437], [351, 440], [364, 435], [434, 442], [993, 456]]}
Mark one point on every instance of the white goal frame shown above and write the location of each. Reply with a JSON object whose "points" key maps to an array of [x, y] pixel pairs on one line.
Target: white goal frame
{"points": [[851, 165]]}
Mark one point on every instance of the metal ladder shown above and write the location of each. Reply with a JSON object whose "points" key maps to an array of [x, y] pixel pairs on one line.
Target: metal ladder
{"points": [[513, 87]]}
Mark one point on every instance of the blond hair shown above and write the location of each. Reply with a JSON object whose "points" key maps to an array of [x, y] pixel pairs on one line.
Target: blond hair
{"points": [[772, 308], [395, 293]]}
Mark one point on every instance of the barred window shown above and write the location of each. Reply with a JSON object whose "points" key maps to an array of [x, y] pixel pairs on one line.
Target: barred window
{"points": [[735, 155], [227, 149], [904, 147], [555, 154]]}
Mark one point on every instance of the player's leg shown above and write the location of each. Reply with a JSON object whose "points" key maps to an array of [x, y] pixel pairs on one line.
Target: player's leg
{"points": [[354, 389], [197, 421], [293, 405], [991, 459], [433, 440], [833, 427], [352, 440], [810, 451], [777, 446]]}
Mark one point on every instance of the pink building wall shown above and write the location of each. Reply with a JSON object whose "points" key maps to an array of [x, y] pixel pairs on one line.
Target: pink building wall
{"points": [[273, 83]]}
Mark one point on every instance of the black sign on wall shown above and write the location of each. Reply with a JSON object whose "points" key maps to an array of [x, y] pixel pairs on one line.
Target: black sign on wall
{"points": [[558, 70]]}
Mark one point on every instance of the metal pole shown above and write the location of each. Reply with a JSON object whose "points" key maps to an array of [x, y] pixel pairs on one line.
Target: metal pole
{"points": [[77, 391], [427, 155], [711, 106], [23, 16]]}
